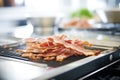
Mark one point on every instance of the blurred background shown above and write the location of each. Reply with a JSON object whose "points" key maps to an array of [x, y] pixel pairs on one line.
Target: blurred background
{"points": [[96, 19]]}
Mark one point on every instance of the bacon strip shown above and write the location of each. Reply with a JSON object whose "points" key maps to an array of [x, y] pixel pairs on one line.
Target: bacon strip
{"points": [[78, 48], [56, 47]]}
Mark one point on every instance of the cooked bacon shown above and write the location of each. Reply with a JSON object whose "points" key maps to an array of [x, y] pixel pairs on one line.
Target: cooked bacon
{"points": [[56, 47], [78, 48], [49, 58], [63, 56]]}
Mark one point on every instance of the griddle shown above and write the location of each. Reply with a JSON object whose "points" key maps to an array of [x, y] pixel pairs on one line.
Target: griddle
{"points": [[10, 51], [72, 67]]}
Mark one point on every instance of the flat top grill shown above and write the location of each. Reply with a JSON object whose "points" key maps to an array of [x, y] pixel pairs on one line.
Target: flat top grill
{"points": [[11, 52], [70, 65]]}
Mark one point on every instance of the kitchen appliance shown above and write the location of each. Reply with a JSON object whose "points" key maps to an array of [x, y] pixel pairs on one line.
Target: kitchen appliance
{"points": [[42, 25], [75, 67], [110, 15], [111, 18], [110, 73]]}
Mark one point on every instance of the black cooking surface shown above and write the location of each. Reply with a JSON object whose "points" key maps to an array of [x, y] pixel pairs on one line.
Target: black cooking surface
{"points": [[10, 52]]}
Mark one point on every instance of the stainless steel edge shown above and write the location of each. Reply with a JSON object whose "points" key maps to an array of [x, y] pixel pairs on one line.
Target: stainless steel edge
{"points": [[26, 62], [68, 67]]}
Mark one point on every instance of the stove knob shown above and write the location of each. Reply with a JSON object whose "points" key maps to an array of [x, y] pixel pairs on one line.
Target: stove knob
{"points": [[111, 57]]}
